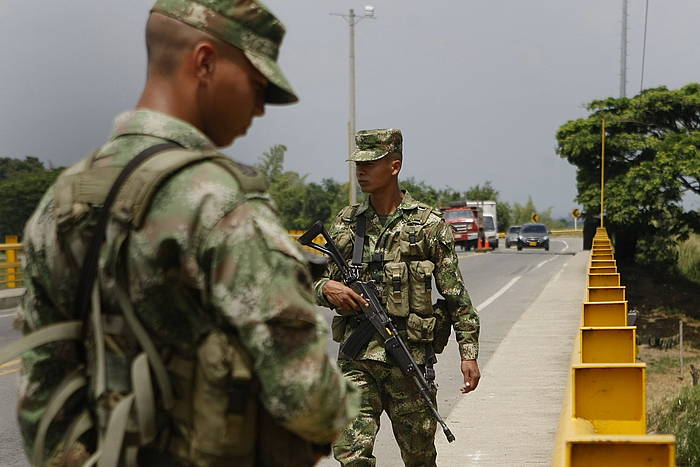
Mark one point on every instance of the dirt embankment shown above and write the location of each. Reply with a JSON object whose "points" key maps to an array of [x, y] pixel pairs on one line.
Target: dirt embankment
{"points": [[662, 302]]}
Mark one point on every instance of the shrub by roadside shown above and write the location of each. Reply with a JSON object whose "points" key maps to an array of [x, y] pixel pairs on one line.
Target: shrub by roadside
{"points": [[680, 416]]}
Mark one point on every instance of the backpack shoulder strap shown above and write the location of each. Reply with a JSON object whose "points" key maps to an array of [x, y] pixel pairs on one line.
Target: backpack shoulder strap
{"points": [[135, 198], [348, 213], [421, 214], [88, 270]]}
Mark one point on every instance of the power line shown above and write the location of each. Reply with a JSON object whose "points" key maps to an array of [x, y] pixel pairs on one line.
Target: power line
{"points": [[644, 46]]}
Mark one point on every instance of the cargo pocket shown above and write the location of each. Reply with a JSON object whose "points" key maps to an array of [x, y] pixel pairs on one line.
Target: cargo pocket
{"points": [[443, 326], [420, 288], [224, 407], [420, 329], [396, 288], [412, 241], [338, 326]]}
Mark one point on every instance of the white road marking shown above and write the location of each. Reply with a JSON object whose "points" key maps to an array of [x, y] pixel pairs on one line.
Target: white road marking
{"points": [[501, 291], [543, 263], [566, 245], [505, 288]]}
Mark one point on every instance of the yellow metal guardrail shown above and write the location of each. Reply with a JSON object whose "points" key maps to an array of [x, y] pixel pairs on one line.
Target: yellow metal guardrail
{"points": [[10, 264], [603, 420]]}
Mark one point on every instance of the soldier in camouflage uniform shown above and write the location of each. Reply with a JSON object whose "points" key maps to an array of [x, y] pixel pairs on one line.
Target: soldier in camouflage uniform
{"points": [[407, 243], [214, 279]]}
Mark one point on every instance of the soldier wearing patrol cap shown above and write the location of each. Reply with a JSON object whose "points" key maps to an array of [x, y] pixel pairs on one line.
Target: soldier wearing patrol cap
{"points": [[197, 280], [405, 245]]}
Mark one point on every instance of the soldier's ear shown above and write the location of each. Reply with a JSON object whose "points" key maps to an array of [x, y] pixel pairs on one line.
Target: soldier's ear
{"points": [[396, 166], [204, 56]]}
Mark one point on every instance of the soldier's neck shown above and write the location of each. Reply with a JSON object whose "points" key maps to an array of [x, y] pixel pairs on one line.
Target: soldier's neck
{"points": [[164, 96], [386, 199]]}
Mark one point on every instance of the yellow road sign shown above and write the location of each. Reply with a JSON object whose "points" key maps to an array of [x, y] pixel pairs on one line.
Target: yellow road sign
{"points": [[575, 213], [535, 217]]}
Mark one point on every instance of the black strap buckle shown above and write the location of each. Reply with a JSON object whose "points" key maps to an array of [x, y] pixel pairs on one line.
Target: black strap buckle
{"points": [[396, 283]]}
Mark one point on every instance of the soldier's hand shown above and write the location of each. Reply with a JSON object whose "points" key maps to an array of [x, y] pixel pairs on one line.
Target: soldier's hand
{"points": [[470, 370], [342, 296]]}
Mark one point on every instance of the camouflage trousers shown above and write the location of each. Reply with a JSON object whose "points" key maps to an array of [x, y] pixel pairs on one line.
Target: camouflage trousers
{"points": [[383, 387]]}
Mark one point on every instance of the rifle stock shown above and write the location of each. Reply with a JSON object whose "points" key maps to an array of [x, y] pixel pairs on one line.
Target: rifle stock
{"points": [[380, 320]]}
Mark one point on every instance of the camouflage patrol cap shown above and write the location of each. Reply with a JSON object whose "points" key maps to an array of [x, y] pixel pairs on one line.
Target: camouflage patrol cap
{"points": [[245, 24], [375, 144]]}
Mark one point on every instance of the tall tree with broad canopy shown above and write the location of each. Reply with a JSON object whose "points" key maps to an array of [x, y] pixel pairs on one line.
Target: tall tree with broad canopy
{"points": [[651, 163]]}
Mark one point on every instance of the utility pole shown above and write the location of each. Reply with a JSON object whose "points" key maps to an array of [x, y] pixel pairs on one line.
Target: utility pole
{"points": [[602, 175], [352, 20], [644, 46], [623, 51]]}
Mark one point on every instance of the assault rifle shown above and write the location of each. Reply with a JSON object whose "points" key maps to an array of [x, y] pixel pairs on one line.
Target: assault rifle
{"points": [[378, 318]]}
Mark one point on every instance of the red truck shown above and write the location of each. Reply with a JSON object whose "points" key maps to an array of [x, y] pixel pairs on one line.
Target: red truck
{"points": [[465, 221]]}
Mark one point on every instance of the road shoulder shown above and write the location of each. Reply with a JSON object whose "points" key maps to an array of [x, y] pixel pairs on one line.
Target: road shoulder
{"points": [[512, 418]]}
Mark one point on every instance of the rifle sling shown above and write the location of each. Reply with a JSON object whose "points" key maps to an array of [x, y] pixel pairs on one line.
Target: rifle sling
{"points": [[360, 230]]}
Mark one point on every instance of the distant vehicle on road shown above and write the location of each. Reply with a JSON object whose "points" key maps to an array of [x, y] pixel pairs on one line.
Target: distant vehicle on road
{"points": [[512, 235], [465, 223], [486, 221], [533, 236], [489, 220]]}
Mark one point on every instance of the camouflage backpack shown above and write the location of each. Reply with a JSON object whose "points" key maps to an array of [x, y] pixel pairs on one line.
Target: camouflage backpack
{"points": [[131, 422]]}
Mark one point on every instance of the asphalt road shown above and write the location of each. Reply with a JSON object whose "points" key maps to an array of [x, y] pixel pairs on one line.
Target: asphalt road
{"points": [[502, 285]]}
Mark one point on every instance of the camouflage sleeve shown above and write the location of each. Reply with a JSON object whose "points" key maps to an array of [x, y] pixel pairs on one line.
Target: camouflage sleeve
{"points": [[261, 286], [450, 284]]}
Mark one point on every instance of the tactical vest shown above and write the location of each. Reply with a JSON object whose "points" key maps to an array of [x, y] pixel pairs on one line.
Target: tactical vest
{"points": [[209, 398], [402, 267]]}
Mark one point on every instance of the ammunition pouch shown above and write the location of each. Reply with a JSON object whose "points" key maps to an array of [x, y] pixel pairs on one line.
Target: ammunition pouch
{"points": [[420, 329], [216, 409], [412, 241], [420, 286], [443, 326], [396, 289]]}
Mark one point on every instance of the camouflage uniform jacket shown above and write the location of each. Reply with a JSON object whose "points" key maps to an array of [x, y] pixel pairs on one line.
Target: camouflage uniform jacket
{"points": [[440, 251], [207, 257]]}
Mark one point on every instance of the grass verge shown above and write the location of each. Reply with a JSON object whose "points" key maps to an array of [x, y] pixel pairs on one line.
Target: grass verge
{"points": [[680, 415], [689, 258], [662, 301]]}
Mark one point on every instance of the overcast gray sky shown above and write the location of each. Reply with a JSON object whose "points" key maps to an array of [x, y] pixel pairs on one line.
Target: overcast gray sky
{"points": [[478, 87]]}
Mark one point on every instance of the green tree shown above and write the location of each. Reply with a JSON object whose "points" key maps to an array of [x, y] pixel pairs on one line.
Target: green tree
{"points": [[299, 203], [421, 191], [22, 184], [482, 193], [522, 213], [272, 163], [651, 162]]}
